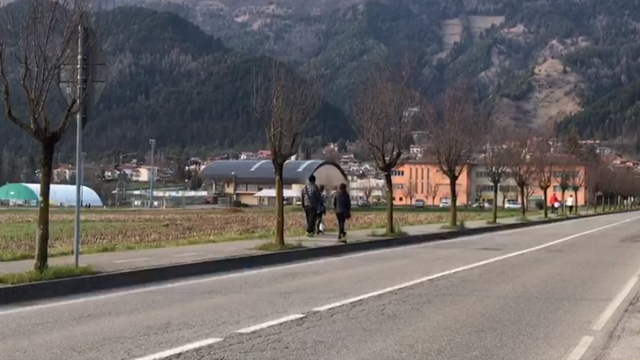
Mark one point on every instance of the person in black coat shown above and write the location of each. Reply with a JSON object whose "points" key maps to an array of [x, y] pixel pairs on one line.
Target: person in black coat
{"points": [[342, 206]]}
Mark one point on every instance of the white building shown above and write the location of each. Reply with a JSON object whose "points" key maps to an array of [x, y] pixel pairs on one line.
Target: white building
{"points": [[366, 188]]}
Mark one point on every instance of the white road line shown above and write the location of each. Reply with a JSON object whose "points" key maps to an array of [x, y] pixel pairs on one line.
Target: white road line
{"points": [[615, 303], [168, 285], [180, 349], [463, 268], [579, 350], [267, 324], [186, 254], [130, 260]]}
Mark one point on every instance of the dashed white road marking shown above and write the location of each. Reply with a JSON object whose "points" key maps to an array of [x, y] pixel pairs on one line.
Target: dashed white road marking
{"points": [[579, 350], [130, 260], [180, 349], [267, 324]]}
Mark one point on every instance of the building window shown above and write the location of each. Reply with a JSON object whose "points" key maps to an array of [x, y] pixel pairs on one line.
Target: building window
{"points": [[410, 173], [252, 187], [422, 174], [400, 198], [486, 189], [398, 186], [397, 173]]}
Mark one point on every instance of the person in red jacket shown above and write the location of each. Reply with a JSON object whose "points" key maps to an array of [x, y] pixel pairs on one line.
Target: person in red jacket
{"points": [[552, 203]]}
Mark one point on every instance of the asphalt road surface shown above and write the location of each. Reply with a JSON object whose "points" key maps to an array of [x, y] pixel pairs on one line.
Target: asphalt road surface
{"points": [[551, 292]]}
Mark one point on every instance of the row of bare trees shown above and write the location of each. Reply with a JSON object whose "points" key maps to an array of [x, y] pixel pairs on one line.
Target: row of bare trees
{"points": [[460, 135]]}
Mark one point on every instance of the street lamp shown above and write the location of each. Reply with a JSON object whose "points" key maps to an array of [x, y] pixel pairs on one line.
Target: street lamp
{"points": [[233, 174], [152, 142]]}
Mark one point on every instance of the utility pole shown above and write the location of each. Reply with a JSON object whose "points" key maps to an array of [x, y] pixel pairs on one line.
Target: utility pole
{"points": [[152, 142], [80, 98]]}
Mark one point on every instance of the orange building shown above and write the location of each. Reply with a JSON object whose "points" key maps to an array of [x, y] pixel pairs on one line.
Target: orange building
{"points": [[423, 180], [577, 172]]}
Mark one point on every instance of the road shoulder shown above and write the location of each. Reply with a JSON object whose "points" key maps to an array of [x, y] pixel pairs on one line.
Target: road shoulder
{"points": [[624, 343]]}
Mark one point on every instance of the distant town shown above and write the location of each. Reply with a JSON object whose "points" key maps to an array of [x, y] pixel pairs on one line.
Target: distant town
{"points": [[417, 180]]}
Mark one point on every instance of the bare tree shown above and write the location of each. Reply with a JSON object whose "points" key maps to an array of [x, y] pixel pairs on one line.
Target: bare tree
{"points": [[543, 163], [384, 121], [34, 44], [497, 166], [411, 190], [521, 170], [285, 103], [576, 182], [562, 174], [367, 190], [433, 193], [452, 139]]}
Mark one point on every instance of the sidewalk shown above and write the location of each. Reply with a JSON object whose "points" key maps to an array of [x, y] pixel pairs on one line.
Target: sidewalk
{"points": [[135, 259], [625, 341]]}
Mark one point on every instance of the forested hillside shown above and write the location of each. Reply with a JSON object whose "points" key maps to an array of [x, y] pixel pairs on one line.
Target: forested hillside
{"points": [[534, 60], [172, 82], [573, 62]]}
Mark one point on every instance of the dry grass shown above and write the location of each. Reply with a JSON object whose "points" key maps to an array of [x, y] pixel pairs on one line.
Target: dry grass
{"points": [[115, 231], [51, 273]]}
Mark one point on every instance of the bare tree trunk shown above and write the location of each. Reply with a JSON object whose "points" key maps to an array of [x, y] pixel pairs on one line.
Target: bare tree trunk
{"points": [[524, 202], [563, 201], [495, 204], [388, 181], [545, 200], [42, 237], [577, 204], [604, 203], [453, 220], [279, 239]]}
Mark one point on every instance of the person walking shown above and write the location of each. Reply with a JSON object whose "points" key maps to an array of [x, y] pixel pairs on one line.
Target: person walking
{"points": [[552, 202], [310, 202], [571, 202], [322, 211], [342, 206]]}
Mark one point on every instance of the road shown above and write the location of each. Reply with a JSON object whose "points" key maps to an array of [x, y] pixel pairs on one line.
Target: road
{"points": [[549, 292]]}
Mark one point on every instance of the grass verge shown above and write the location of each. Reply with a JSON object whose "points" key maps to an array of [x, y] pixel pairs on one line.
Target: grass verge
{"points": [[52, 273]]}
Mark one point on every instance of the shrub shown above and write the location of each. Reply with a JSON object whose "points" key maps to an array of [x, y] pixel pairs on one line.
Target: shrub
{"points": [[539, 204]]}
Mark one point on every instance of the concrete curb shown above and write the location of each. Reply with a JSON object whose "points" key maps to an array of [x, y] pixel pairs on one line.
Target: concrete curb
{"points": [[64, 287]]}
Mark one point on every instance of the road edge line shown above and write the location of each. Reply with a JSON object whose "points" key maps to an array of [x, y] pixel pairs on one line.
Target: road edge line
{"points": [[578, 352], [181, 349]]}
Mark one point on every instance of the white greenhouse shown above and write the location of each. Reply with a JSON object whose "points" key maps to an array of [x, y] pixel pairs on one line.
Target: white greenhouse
{"points": [[61, 195]]}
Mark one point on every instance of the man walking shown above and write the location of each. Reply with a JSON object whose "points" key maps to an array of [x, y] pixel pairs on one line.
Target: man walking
{"points": [[311, 199]]}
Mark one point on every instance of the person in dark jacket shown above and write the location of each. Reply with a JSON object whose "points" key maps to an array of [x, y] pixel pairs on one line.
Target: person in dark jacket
{"points": [[342, 206], [311, 199]]}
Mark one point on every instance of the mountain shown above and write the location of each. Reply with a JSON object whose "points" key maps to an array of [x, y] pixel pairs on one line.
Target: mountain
{"points": [[170, 81], [534, 61]]}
